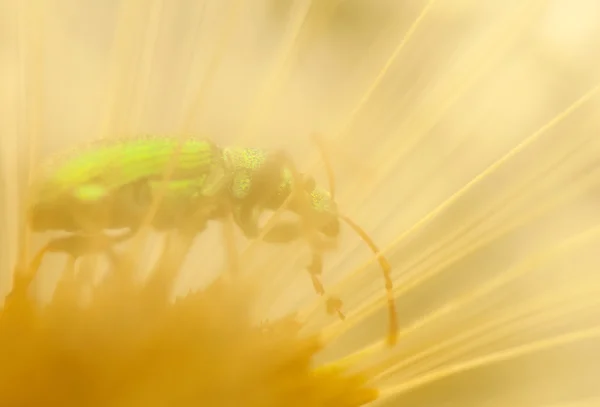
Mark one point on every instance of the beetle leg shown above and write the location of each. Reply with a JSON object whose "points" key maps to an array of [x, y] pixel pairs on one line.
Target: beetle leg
{"points": [[126, 204], [79, 245], [315, 270], [288, 231], [177, 245]]}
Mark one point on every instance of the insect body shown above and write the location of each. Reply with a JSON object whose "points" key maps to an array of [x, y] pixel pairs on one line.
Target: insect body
{"points": [[113, 184]]}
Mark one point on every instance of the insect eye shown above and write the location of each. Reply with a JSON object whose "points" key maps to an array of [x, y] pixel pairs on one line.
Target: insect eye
{"points": [[309, 183]]}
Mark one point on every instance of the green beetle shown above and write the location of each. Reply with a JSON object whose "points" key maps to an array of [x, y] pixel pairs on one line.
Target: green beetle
{"points": [[112, 184]]}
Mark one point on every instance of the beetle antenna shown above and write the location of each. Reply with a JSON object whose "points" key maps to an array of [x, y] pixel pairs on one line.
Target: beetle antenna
{"points": [[385, 265], [318, 140], [387, 275]]}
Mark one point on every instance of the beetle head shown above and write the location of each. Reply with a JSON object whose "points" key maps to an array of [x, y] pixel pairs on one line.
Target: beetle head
{"points": [[323, 212]]}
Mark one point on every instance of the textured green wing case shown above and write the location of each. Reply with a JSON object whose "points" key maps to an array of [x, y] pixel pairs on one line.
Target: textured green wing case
{"points": [[113, 163], [78, 179]]}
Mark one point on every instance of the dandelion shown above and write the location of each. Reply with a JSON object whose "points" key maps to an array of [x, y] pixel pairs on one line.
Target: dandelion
{"points": [[463, 135]]}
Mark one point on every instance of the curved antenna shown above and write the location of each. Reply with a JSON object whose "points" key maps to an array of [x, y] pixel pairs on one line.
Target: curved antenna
{"points": [[318, 140], [385, 265], [387, 276]]}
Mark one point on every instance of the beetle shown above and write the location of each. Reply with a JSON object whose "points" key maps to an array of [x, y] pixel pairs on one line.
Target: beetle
{"points": [[111, 184]]}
